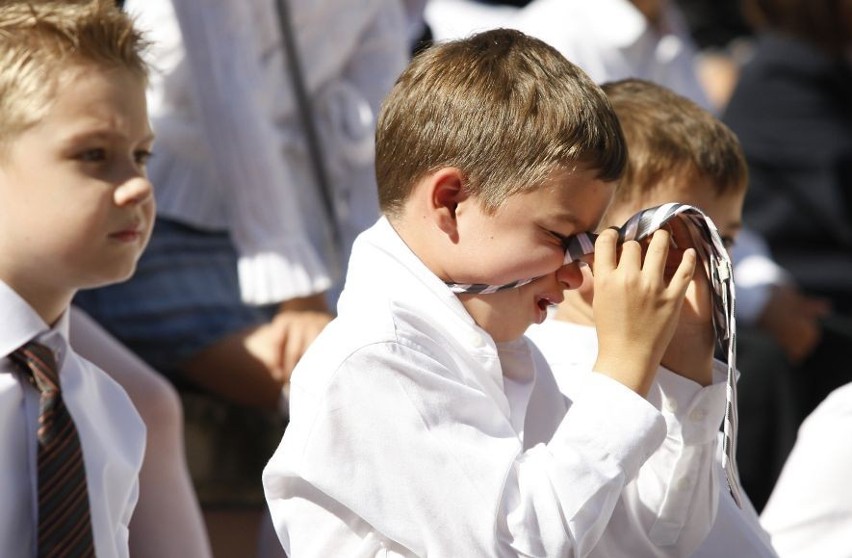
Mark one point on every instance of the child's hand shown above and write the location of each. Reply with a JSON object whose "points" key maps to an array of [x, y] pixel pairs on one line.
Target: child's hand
{"points": [[793, 320], [295, 330], [636, 307], [280, 343], [690, 352]]}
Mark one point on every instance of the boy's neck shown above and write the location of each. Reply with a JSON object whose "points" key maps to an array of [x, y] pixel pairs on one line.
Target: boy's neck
{"points": [[48, 303], [424, 241]]}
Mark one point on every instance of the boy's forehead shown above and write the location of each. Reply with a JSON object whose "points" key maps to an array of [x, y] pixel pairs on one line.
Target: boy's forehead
{"points": [[91, 100], [581, 198]]}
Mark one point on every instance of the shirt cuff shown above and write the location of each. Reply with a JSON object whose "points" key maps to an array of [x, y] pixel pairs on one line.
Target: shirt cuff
{"points": [[270, 277], [618, 421], [691, 411]]}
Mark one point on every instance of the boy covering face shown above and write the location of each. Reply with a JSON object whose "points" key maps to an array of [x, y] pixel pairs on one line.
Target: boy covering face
{"points": [[422, 421]]}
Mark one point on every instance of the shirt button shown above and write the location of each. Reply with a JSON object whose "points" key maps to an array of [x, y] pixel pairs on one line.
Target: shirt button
{"points": [[476, 340], [682, 484], [670, 405], [697, 415]]}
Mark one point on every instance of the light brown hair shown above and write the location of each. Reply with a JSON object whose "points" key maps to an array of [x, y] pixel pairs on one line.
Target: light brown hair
{"points": [[504, 108], [669, 136], [40, 40]]}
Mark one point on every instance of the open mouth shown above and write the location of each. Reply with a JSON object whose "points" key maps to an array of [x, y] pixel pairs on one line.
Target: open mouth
{"points": [[546, 301]]}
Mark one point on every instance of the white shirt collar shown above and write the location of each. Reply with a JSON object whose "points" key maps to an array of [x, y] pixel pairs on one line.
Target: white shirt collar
{"points": [[384, 242], [19, 323]]}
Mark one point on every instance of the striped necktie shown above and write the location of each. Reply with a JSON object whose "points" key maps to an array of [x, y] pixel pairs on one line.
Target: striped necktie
{"points": [[717, 263], [64, 520]]}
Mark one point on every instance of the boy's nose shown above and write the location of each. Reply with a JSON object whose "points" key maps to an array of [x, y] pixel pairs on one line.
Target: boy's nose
{"points": [[570, 275], [135, 191]]}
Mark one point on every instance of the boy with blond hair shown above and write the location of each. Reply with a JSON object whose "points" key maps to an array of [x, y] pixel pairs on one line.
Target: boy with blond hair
{"points": [[423, 423], [678, 152], [76, 211]]}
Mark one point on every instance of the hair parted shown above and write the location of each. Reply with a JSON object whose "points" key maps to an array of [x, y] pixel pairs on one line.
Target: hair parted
{"points": [[41, 39], [504, 108], [670, 136]]}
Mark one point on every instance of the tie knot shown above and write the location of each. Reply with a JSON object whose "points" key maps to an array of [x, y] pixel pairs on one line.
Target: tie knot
{"points": [[38, 361]]}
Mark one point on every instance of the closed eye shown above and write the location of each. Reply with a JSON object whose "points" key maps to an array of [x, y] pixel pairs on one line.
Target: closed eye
{"points": [[93, 155], [560, 237]]}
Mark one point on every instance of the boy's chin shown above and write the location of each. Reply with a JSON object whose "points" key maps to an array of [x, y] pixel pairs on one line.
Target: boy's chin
{"points": [[110, 277]]}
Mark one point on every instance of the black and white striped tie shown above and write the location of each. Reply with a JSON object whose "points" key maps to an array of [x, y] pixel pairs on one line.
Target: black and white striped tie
{"points": [[717, 263]]}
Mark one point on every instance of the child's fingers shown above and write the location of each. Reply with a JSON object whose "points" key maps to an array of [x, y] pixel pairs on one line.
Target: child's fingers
{"points": [[631, 255], [684, 273], [605, 251], [657, 253]]}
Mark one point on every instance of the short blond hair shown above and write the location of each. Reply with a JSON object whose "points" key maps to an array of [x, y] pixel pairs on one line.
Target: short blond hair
{"points": [[505, 108], [41, 39]]}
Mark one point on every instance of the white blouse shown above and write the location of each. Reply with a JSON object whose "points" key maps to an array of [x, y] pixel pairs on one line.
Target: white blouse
{"points": [[230, 153]]}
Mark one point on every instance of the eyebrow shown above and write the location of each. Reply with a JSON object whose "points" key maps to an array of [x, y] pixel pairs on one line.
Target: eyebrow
{"points": [[564, 217], [104, 133]]}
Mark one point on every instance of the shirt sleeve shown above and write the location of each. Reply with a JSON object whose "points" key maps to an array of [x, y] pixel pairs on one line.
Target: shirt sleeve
{"points": [[676, 492], [810, 509], [398, 441], [276, 260], [668, 507]]}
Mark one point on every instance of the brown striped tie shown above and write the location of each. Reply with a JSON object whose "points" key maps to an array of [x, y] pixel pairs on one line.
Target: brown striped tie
{"points": [[64, 521]]}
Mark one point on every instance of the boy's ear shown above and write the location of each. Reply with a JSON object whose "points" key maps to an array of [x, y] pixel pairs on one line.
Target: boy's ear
{"points": [[445, 194]]}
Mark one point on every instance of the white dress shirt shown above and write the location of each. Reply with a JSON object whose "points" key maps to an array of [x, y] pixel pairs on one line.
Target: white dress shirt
{"points": [[412, 434], [230, 153], [111, 434], [810, 510], [682, 504]]}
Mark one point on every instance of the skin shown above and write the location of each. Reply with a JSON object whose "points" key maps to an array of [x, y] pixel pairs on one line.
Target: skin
{"points": [[252, 366], [789, 316], [459, 241], [793, 319], [77, 205]]}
